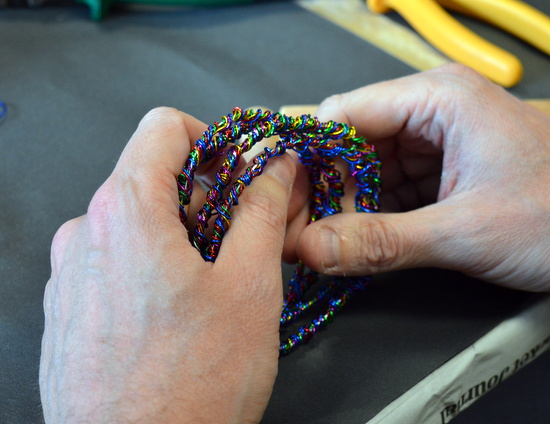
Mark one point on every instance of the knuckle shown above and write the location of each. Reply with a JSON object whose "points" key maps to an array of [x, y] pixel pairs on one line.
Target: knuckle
{"points": [[332, 101], [103, 202], [162, 121], [335, 107], [103, 210], [63, 235], [462, 80], [61, 243], [458, 70], [378, 246], [166, 115]]}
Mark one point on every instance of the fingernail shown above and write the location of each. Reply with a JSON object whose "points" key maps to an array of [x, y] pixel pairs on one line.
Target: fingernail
{"points": [[330, 245]]}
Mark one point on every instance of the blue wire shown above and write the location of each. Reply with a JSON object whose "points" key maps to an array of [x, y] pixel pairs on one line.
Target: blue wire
{"points": [[3, 111]]}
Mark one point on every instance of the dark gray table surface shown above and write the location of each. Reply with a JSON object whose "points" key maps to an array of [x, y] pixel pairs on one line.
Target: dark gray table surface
{"points": [[76, 89]]}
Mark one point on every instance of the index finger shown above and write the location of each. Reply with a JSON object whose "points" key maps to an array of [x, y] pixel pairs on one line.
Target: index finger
{"points": [[413, 109]]}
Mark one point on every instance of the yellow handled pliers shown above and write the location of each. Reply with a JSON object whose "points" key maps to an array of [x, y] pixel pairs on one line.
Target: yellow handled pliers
{"points": [[429, 19]]}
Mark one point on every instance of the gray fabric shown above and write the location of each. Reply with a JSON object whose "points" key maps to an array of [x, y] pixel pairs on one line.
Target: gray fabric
{"points": [[76, 89]]}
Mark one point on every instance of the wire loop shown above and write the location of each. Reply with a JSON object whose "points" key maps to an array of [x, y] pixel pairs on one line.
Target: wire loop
{"points": [[318, 145]]}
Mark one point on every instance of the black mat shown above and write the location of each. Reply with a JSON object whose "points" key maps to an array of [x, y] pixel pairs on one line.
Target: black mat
{"points": [[76, 90]]}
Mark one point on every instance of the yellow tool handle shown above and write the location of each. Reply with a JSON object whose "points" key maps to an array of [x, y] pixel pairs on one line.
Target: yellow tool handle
{"points": [[454, 39], [515, 17]]}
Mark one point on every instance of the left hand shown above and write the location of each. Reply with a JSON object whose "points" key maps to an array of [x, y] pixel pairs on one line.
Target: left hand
{"points": [[139, 328]]}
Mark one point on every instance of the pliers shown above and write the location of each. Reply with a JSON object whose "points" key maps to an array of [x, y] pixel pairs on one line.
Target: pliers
{"points": [[429, 19]]}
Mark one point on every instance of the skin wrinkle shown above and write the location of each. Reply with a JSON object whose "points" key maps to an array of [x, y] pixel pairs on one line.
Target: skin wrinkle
{"points": [[141, 338], [377, 244], [504, 230], [258, 203], [134, 315], [476, 124], [372, 246]]}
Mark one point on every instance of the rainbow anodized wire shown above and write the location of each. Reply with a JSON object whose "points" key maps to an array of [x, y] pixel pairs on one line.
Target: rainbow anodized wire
{"points": [[319, 146]]}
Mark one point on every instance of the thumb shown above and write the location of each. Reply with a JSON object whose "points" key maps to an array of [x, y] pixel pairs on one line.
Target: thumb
{"points": [[259, 221], [360, 244]]}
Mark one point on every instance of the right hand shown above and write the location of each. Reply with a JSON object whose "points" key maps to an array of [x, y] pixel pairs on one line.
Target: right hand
{"points": [[466, 165]]}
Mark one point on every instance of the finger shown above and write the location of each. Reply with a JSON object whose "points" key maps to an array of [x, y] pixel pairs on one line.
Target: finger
{"points": [[293, 231], [63, 243], [360, 244], [419, 106], [259, 221], [377, 111], [298, 214], [142, 193], [155, 155], [161, 142], [301, 189]]}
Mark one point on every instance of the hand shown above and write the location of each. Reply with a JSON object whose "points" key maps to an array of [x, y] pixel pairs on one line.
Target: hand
{"points": [[139, 328], [468, 167]]}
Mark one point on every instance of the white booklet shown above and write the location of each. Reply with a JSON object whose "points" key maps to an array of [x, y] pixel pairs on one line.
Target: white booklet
{"points": [[458, 383]]}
